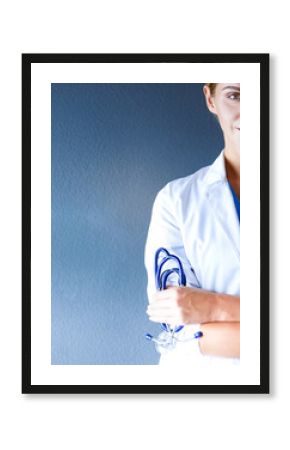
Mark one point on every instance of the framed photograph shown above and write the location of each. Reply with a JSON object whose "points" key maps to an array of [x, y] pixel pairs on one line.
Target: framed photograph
{"points": [[139, 272]]}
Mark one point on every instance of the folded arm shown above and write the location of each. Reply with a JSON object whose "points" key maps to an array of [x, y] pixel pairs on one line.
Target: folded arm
{"points": [[184, 305], [220, 339], [218, 314]]}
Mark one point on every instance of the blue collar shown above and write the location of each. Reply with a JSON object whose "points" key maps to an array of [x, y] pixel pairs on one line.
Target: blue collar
{"points": [[236, 201]]}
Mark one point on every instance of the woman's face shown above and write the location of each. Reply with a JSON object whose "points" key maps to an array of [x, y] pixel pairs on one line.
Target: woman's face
{"points": [[225, 103]]}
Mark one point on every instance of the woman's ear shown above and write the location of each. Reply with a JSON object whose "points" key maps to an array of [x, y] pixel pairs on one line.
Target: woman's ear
{"points": [[209, 99]]}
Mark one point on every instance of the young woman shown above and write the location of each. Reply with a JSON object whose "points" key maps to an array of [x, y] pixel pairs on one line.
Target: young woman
{"points": [[197, 219]]}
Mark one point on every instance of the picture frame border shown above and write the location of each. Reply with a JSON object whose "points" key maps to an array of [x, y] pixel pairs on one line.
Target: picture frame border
{"points": [[261, 58]]}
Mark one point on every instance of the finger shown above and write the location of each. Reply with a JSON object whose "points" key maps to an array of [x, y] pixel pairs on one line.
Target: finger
{"points": [[165, 318], [166, 293], [164, 310], [170, 320], [172, 300], [162, 305], [162, 313], [166, 315]]}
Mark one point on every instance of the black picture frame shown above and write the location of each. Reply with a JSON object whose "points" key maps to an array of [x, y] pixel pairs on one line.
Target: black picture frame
{"points": [[260, 59]]}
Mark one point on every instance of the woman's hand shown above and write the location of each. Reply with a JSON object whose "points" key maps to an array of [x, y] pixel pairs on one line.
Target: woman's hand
{"points": [[185, 305]]}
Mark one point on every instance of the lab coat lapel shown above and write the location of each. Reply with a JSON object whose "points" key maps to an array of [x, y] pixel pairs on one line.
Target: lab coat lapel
{"points": [[221, 202]]}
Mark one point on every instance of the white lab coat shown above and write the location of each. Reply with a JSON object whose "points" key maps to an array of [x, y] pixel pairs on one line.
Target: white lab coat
{"points": [[195, 218]]}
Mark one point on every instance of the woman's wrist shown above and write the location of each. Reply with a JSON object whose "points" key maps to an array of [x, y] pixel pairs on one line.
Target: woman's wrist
{"points": [[226, 308]]}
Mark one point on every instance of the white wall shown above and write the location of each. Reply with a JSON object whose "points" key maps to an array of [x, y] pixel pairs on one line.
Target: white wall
{"points": [[220, 422]]}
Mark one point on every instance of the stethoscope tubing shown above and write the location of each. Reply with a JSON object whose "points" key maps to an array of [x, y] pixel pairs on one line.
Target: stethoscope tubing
{"points": [[162, 277]]}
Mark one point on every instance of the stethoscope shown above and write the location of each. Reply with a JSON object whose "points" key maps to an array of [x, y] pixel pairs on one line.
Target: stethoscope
{"points": [[168, 338]]}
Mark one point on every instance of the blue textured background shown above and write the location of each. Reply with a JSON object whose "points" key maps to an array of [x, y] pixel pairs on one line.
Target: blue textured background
{"points": [[113, 147]]}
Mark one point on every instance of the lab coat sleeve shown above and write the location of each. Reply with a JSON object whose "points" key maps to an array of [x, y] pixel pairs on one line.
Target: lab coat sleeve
{"points": [[164, 231]]}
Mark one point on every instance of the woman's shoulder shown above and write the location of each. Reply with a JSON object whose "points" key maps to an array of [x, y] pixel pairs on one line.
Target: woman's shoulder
{"points": [[199, 180], [192, 182]]}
